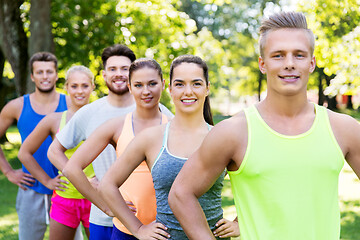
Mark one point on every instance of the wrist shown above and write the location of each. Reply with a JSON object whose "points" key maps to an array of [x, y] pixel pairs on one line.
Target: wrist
{"points": [[7, 172]]}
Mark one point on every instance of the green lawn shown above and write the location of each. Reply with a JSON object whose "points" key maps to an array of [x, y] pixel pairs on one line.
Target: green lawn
{"points": [[350, 210]]}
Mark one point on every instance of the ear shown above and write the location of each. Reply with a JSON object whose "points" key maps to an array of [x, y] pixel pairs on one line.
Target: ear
{"points": [[163, 84], [103, 74], [208, 89], [262, 65], [169, 87], [312, 64], [128, 85], [32, 77]]}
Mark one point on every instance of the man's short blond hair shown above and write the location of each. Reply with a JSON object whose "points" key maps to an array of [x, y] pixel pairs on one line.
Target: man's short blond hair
{"points": [[294, 20]]}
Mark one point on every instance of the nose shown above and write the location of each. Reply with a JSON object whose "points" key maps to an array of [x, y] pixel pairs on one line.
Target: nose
{"points": [[188, 89], [146, 90], [289, 62]]}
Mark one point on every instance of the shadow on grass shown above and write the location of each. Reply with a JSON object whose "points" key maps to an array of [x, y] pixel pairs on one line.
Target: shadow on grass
{"points": [[350, 220]]}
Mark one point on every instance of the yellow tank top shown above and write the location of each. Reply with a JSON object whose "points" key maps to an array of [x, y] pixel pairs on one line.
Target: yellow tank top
{"points": [[71, 191], [287, 186], [139, 187]]}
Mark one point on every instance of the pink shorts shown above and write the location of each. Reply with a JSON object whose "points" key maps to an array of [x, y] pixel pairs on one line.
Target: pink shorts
{"points": [[69, 211]]}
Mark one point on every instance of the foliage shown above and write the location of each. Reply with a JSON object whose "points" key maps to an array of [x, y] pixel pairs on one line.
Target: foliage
{"points": [[335, 24]]}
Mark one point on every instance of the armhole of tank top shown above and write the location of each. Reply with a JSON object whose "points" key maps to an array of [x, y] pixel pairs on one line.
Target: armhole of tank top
{"points": [[26, 102], [247, 112], [164, 144], [329, 128], [62, 121], [62, 105]]}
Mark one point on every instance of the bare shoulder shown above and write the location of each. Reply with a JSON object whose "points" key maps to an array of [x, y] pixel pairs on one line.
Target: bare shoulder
{"points": [[13, 108], [342, 122], [152, 135], [114, 127], [231, 129], [346, 130]]}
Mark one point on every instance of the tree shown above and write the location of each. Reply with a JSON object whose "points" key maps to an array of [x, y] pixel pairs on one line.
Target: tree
{"points": [[335, 24]]}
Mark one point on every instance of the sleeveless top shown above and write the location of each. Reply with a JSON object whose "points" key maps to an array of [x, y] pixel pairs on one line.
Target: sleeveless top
{"points": [[71, 191], [138, 188], [164, 171], [26, 124], [287, 186]]}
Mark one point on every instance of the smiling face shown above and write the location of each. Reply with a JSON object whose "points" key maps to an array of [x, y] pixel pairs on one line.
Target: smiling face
{"points": [[188, 87], [44, 76], [116, 74], [146, 87], [287, 61], [79, 86]]}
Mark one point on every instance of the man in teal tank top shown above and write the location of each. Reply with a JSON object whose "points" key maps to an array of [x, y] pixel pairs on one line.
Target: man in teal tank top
{"points": [[283, 155], [33, 198]]}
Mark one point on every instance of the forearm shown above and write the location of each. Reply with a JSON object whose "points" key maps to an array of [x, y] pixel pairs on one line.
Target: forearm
{"points": [[114, 200], [34, 168], [188, 211], [57, 156], [5, 167], [77, 177]]}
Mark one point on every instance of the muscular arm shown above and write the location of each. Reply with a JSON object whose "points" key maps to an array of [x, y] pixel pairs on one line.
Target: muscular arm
{"points": [[132, 157], [8, 115], [85, 155], [202, 168], [32, 143], [347, 133]]}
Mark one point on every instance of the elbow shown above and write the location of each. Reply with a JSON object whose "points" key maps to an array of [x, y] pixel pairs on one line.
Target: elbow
{"points": [[22, 155], [51, 154], [174, 197]]}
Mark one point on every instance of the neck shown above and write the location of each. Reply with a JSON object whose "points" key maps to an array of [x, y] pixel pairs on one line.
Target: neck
{"points": [[45, 97], [188, 122], [285, 105], [147, 113], [124, 100]]}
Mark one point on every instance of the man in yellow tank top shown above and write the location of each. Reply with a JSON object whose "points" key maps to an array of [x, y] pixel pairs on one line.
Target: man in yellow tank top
{"points": [[283, 155]]}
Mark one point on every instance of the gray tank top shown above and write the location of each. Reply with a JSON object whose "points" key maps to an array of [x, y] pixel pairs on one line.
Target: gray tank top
{"points": [[164, 171]]}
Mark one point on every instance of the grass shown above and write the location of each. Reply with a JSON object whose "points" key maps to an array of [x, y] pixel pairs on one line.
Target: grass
{"points": [[350, 210]]}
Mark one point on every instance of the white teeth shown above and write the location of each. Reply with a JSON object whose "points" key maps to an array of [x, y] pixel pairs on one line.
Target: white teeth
{"points": [[189, 101], [289, 77]]}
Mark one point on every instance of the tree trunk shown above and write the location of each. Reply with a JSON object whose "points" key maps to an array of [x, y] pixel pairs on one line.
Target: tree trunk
{"points": [[14, 43], [321, 92], [41, 38]]}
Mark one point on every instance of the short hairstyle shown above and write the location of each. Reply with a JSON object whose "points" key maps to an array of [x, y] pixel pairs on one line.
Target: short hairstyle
{"points": [[295, 20], [79, 68], [117, 50], [42, 57], [202, 64], [142, 63]]}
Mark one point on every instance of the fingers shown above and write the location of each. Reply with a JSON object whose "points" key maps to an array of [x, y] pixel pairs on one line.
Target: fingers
{"points": [[227, 229], [160, 231], [220, 222], [22, 187], [131, 206]]}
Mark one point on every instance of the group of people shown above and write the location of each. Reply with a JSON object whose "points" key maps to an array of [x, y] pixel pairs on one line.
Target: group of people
{"points": [[127, 168]]}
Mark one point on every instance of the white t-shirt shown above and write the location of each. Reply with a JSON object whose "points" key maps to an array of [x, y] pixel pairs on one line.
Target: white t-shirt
{"points": [[81, 126]]}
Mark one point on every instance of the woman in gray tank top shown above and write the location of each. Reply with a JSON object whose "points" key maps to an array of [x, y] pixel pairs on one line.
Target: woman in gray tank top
{"points": [[165, 149]]}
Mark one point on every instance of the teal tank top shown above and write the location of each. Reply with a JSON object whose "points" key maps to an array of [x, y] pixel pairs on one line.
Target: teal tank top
{"points": [[164, 171], [287, 186]]}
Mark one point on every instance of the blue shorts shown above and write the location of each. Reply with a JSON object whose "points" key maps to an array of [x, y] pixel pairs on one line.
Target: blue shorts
{"points": [[119, 235], [98, 232]]}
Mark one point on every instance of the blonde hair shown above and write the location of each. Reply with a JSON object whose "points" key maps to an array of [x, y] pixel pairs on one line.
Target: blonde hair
{"points": [[295, 20], [79, 68]]}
